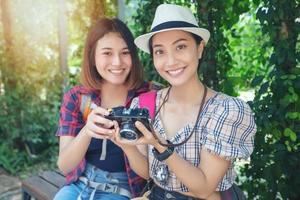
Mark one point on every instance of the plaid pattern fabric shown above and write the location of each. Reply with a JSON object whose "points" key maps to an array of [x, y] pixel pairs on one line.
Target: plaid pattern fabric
{"points": [[71, 122], [226, 128]]}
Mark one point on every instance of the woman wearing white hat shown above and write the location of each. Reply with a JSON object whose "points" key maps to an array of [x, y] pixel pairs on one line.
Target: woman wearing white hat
{"points": [[197, 133]]}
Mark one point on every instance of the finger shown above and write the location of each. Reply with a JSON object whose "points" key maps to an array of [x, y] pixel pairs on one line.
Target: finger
{"points": [[96, 135], [116, 125], [117, 131], [100, 120], [101, 111], [140, 126], [100, 130]]}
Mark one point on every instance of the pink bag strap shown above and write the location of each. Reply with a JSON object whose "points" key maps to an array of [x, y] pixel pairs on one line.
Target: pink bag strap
{"points": [[147, 100]]}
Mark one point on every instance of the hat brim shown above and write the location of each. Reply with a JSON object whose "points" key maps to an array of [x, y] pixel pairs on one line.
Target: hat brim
{"points": [[142, 42]]}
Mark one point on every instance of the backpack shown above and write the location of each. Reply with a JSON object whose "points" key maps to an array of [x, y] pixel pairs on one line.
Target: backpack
{"points": [[147, 100]]}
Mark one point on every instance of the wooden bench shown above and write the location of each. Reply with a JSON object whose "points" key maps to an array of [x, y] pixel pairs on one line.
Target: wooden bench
{"points": [[42, 186]]}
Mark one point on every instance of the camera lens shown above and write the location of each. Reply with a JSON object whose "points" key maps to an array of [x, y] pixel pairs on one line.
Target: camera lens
{"points": [[127, 131]]}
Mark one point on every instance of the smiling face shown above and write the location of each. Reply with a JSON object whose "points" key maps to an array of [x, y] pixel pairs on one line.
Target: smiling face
{"points": [[176, 56], [113, 59]]}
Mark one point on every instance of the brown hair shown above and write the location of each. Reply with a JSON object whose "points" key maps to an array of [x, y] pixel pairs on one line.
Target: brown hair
{"points": [[89, 75]]}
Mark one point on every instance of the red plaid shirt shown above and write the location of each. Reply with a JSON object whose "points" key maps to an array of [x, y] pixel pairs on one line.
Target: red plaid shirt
{"points": [[71, 122]]}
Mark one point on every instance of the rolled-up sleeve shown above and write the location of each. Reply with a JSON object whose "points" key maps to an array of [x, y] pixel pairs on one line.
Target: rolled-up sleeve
{"points": [[70, 121], [230, 130]]}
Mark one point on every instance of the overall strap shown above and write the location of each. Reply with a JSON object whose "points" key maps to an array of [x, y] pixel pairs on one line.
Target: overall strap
{"points": [[147, 100]]}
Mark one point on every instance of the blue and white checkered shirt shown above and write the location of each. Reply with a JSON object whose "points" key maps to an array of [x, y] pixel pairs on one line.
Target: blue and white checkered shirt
{"points": [[226, 128]]}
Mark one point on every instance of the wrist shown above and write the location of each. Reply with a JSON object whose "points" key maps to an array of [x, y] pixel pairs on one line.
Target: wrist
{"points": [[84, 133], [159, 147], [163, 153]]}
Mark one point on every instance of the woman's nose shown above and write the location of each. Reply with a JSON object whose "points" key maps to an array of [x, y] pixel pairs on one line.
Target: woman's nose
{"points": [[116, 60], [171, 59]]}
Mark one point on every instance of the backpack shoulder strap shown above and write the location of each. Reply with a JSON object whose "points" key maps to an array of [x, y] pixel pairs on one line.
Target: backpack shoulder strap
{"points": [[85, 105], [147, 100]]}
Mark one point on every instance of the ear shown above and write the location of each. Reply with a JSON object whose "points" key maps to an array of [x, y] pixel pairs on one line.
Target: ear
{"points": [[200, 49]]}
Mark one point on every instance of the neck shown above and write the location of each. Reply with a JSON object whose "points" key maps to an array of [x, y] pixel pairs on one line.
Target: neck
{"points": [[113, 95], [190, 93]]}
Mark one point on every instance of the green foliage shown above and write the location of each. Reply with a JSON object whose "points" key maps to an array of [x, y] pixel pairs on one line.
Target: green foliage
{"points": [[30, 93], [12, 159], [135, 22], [248, 50], [275, 163], [28, 118], [219, 17]]}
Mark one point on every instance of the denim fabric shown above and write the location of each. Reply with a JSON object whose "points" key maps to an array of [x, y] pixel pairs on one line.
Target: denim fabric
{"points": [[70, 192], [80, 191]]}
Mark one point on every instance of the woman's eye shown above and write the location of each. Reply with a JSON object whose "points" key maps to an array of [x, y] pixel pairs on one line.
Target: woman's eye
{"points": [[181, 46], [107, 53], [158, 52], [126, 52]]}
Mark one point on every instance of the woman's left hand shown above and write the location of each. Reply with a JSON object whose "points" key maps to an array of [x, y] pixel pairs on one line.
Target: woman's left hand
{"points": [[148, 136]]}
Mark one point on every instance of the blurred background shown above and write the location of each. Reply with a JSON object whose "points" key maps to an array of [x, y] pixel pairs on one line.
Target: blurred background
{"points": [[253, 53]]}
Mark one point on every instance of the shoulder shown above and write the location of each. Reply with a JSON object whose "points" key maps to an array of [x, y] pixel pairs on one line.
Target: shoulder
{"points": [[76, 91], [225, 103], [232, 113]]}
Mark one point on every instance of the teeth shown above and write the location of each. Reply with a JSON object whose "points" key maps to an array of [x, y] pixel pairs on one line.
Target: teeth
{"points": [[175, 72], [116, 71]]}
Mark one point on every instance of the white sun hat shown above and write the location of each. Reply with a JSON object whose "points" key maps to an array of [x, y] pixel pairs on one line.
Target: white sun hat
{"points": [[171, 17]]}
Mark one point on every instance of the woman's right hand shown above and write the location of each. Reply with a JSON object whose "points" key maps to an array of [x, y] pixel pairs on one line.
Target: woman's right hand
{"points": [[98, 126]]}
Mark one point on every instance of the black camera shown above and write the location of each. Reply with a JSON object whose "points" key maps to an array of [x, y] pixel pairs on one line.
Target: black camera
{"points": [[126, 119]]}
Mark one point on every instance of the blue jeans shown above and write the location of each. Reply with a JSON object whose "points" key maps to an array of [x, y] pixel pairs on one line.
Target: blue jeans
{"points": [[80, 191]]}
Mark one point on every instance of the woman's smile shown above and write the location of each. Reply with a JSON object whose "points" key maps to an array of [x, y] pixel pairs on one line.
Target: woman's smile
{"points": [[176, 72]]}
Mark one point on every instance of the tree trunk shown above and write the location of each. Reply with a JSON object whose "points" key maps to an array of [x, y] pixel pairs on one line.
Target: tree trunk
{"points": [[6, 72], [6, 21], [63, 42]]}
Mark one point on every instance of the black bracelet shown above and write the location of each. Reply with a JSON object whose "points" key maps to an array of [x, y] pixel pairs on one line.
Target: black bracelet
{"points": [[164, 155]]}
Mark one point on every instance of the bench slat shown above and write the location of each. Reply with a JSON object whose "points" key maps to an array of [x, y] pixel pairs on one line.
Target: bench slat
{"points": [[53, 177], [43, 186]]}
